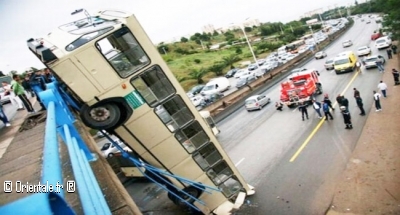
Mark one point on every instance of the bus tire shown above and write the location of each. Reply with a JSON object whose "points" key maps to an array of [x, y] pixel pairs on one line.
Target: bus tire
{"points": [[101, 116], [193, 191]]}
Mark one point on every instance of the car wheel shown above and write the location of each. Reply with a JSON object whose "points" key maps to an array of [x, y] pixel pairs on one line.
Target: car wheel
{"points": [[110, 155], [260, 107]]}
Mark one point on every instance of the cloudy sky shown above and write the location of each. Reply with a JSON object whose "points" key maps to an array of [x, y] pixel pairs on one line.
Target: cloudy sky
{"points": [[162, 19]]}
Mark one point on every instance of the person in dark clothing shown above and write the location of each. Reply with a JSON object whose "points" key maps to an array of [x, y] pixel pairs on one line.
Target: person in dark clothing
{"points": [[396, 75], [360, 105], [389, 53], [356, 93], [325, 108], [346, 117], [279, 106], [328, 101], [48, 77], [37, 84], [27, 86], [345, 102], [303, 110], [339, 100], [394, 49]]}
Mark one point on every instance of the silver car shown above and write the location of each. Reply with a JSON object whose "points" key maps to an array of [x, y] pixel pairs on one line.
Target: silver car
{"points": [[320, 55], [370, 62], [347, 43], [256, 102], [329, 64]]}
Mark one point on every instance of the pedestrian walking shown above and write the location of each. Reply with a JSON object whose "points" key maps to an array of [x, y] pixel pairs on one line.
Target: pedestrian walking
{"points": [[396, 75], [317, 107], [15, 101], [383, 87], [339, 100], [3, 116], [345, 102], [379, 64], [356, 93], [360, 105], [328, 101], [377, 99], [325, 108], [20, 92], [358, 66], [389, 53], [346, 117], [303, 110], [394, 49], [279, 106]]}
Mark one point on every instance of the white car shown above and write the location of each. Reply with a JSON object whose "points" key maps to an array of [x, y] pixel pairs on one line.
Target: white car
{"points": [[329, 64], [363, 50], [370, 62], [320, 55], [197, 100], [383, 42], [347, 43], [4, 99], [240, 73], [109, 150], [256, 102]]}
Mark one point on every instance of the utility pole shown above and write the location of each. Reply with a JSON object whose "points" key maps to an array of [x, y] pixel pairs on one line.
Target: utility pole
{"points": [[291, 28], [281, 28]]}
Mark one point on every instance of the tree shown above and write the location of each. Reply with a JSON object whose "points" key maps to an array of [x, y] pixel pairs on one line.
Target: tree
{"points": [[231, 59], [198, 75], [217, 68], [2, 74], [238, 51], [184, 39], [215, 33], [356, 2], [248, 29], [229, 36]]}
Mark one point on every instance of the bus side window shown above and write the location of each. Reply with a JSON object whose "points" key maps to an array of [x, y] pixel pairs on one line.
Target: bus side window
{"points": [[221, 175], [207, 156], [192, 137], [174, 113], [153, 85], [123, 52]]}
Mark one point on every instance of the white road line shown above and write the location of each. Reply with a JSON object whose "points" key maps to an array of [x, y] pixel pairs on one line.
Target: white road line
{"points": [[241, 160]]}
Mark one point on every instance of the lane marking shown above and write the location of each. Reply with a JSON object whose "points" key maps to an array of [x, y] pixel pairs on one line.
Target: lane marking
{"points": [[320, 123], [241, 160]]}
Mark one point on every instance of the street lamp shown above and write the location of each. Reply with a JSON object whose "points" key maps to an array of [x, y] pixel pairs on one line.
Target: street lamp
{"points": [[241, 26]]}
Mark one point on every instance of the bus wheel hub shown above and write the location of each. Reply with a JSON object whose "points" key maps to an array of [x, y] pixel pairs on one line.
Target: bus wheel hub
{"points": [[100, 114]]}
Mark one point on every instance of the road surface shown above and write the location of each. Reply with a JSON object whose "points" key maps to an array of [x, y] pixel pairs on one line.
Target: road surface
{"points": [[293, 163]]}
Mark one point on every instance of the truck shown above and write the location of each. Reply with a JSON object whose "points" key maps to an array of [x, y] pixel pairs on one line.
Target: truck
{"points": [[300, 87], [216, 85]]}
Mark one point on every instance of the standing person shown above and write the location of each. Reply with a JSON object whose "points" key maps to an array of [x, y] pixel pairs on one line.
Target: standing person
{"points": [[325, 108], [279, 106], [346, 117], [356, 93], [303, 110], [377, 98], [48, 77], [339, 100], [389, 53], [383, 87], [360, 105], [394, 49], [317, 107], [396, 75], [20, 92], [358, 66], [3, 117], [379, 64], [15, 101], [345, 102], [27, 86], [328, 101]]}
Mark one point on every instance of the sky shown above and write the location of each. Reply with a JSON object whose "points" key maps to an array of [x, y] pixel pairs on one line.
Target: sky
{"points": [[163, 20]]}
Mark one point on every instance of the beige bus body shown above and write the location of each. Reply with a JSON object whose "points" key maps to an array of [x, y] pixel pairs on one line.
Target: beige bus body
{"points": [[115, 59]]}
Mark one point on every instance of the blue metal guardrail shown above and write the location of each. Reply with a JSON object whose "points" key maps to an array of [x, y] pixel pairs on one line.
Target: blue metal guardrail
{"points": [[60, 120]]}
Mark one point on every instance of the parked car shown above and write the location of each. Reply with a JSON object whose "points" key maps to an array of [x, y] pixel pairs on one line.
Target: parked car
{"points": [[195, 90], [260, 62], [244, 81], [370, 62], [197, 100], [363, 50], [376, 35], [320, 55], [329, 64], [108, 149], [216, 85], [383, 42], [347, 43], [256, 102], [368, 21], [4, 99], [252, 67], [231, 73], [240, 72]]}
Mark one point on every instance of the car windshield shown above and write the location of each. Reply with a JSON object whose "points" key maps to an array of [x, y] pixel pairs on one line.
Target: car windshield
{"points": [[250, 101], [372, 59], [329, 61], [362, 48], [341, 61], [209, 87], [105, 146], [241, 81], [380, 41], [195, 89]]}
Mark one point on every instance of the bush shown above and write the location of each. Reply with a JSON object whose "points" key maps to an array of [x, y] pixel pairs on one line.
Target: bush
{"points": [[197, 61]]}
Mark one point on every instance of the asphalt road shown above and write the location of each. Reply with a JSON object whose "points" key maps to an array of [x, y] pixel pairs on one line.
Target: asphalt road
{"points": [[293, 163]]}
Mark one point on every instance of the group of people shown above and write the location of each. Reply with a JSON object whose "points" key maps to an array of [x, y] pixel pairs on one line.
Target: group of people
{"points": [[18, 90]]}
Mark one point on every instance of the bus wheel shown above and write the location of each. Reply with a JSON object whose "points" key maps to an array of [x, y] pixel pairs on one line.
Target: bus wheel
{"points": [[195, 192], [102, 116]]}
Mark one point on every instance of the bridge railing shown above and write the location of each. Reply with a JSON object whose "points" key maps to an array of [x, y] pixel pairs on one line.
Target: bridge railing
{"points": [[61, 121]]}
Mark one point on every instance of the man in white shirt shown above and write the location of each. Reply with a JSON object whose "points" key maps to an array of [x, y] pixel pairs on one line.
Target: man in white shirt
{"points": [[383, 87], [377, 100]]}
